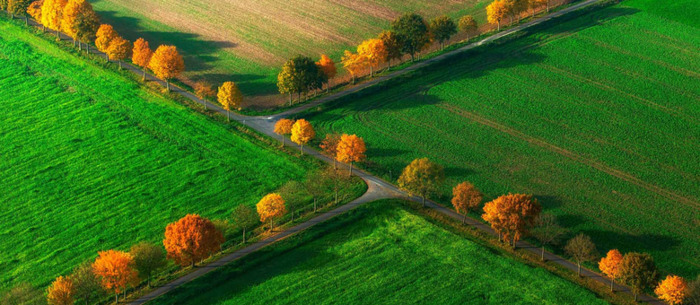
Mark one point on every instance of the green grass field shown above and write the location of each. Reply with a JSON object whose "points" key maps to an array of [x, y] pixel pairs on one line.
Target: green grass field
{"points": [[90, 160], [248, 41], [597, 116], [378, 254]]}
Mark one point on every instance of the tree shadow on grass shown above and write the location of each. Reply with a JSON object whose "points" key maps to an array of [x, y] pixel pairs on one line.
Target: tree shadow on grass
{"points": [[413, 90]]}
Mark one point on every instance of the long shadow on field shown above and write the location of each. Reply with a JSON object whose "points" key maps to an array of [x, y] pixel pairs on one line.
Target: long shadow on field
{"points": [[645, 242], [518, 49]]}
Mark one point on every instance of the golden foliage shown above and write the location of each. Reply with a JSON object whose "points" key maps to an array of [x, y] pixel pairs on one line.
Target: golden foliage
{"points": [[119, 48], [372, 52], [52, 13], [105, 35], [302, 132], [421, 177], [467, 24], [284, 126], [142, 53], [329, 145], [327, 65], [190, 239], [673, 289], [203, 89], [34, 10], [353, 63], [60, 292], [116, 269], [230, 96], [610, 264], [466, 197], [271, 206], [512, 215], [166, 63], [351, 148], [496, 11]]}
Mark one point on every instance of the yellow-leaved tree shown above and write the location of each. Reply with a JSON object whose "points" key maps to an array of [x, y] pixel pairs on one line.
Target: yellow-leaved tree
{"points": [[104, 37], [61, 292], [270, 207], [422, 177], [141, 55], [283, 127], [673, 290], [119, 49], [373, 53], [230, 97], [80, 21], [302, 133], [167, 63], [350, 149], [496, 11], [51, 14], [353, 63]]}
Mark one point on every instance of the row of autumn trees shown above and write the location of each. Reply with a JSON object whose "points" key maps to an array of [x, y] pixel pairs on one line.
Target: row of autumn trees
{"points": [[515, 216], [409, 34], [78, 20], [187, 242]]}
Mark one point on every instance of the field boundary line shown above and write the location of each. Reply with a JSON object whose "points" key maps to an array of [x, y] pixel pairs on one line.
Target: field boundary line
{"points": [[574, 156]]}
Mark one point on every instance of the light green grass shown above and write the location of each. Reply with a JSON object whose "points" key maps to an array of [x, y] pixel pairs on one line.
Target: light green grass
{"points": [[380, 253], [90, 160], [597, 116]]}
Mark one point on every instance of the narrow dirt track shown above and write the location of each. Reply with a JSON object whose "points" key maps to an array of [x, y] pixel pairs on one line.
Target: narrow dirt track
{"points": [[377, 187]]}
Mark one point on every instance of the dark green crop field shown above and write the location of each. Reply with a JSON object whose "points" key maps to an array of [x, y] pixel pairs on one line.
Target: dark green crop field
{"points": [[598, 115], [89, 160], [379, 254]]}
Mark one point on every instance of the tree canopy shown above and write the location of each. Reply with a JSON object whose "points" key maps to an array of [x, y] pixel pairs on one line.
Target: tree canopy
{"points": [[465, 198], [443, 28], [413, 33], [190, 239], [638, 271], [496, 11], [60, 292], [512, 215], [270, 207], [167, 63], [351, 148], [302, 133], [373, 53], [116, 271], [422, 177]]}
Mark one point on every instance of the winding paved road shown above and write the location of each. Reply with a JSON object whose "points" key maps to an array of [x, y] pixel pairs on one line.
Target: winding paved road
{"points": [[377, 187]]}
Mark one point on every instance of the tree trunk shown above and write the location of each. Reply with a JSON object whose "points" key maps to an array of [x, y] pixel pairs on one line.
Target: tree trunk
{"points": [[314, 205], [243, 235], [167, 85], [228, 115], [579, 268], [144, 79], [283, 140], [612, 285], [192, 262], [514, 242], [350, 169], [336, 196], [335, 163], [80, 46], [464, 219], [272, 224], [116, 298], [87, 47], [120, 64], [290, 99], [301, 147], [413, 58], [371, 71], [542, 253], [423, 200], [499, 237], [499, 26], [107, 57], [635, 296]]}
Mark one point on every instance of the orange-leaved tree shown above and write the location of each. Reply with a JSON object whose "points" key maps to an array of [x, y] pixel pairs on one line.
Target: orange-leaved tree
{"points": [[422, 177], [302, 133], [167, 64], [350, 149], [141, 55], [610, 266], [512, 215], [353, 63], [673, 290], [116, 270], [61, 292], [329, 146], [496, 11], [373, 53], [465, 198], [270, 207], [191, 239], [230, 97], [80, 21], [51, 14], [327, 66], [103, 38], [284, 127], [119, 49], [34, 10]]}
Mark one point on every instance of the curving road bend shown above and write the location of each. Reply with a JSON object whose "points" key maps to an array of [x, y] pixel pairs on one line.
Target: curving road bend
{"points": [[377, 187]]}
